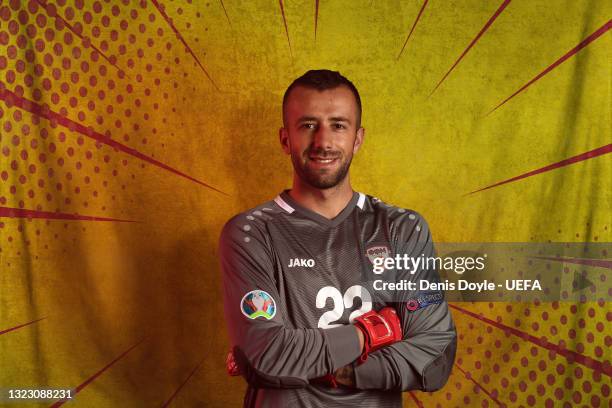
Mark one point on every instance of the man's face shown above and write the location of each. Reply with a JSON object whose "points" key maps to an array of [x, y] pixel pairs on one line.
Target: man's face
{"points": [[321, 134]]}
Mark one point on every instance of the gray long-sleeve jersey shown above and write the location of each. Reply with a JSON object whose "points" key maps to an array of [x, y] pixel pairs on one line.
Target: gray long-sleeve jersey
{"points": [[294, 281]]}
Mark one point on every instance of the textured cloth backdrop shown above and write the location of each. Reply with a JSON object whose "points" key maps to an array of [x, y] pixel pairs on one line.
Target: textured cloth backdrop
{"points": [[131, 130]]}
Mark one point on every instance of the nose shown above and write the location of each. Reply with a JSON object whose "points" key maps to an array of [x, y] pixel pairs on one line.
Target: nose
{"points": [[323, 138]]}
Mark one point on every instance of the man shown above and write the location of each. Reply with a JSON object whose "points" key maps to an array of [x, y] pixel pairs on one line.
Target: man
{"points": [[307, 325]]}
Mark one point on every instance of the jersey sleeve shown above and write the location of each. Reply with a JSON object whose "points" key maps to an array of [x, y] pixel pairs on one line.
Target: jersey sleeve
{"points": [[269, 350], [424, 358]]}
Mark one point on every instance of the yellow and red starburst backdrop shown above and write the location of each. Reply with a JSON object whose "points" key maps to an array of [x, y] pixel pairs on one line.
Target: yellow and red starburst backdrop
{"points": [[131, 130]]}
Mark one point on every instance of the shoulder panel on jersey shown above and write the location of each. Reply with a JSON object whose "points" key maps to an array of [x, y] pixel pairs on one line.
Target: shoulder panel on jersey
{"points": [[413, 231], [378, 203], [408, 223], [367, 203], [283, 204], [361, 200], [393, 211], [251, 224], [243, 232]]}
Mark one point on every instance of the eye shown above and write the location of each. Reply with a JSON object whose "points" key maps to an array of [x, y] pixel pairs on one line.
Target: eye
{"points": [[338, 126], [307, 125]]}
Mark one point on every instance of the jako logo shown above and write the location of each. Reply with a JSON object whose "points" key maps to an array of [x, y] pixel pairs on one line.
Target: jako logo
{"points": [[294, 262]]}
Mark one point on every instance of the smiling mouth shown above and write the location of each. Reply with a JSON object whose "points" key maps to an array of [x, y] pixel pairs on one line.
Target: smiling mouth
{"points": [[322, 160]]}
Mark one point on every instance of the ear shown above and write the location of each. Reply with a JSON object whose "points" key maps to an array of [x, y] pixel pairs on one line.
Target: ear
{"points": [[358, 139], [283, 137]]}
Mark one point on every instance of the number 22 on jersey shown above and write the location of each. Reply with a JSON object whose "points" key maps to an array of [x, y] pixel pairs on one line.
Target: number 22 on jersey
{"points": [[341, 302]]}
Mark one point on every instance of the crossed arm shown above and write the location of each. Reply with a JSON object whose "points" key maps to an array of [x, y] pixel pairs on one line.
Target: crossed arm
{"points": [[267, 349]]}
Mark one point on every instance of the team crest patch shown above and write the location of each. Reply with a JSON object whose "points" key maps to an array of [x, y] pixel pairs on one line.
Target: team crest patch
{"points": [[258, 303], [379, 251], [424, 299]]}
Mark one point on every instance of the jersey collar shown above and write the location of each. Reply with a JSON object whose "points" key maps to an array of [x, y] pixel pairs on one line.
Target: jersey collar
{"points": [[284, 201]]}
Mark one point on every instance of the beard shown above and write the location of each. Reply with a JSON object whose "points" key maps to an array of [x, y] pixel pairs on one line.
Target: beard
{"points": [[321, 178]]}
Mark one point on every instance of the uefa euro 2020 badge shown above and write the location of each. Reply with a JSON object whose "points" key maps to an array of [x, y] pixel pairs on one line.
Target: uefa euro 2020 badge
{"points": [[258, 303]]}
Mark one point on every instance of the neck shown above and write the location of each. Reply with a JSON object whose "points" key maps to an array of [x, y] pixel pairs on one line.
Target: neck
{"points": [[328, 202]]}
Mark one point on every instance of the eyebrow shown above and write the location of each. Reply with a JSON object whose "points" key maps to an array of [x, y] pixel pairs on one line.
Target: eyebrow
{"points": [[312, 118], [306, 119]]}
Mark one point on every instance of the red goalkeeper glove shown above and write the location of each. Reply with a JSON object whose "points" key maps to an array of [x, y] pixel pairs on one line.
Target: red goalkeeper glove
{"points": [[379, 330], [231, 366]]}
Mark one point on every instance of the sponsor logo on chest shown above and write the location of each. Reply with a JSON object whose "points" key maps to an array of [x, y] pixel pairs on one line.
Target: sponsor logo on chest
{"points": [[303, 262]]}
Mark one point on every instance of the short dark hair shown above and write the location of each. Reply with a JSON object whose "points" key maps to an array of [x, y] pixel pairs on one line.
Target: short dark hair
{"points": [[321, 80]]}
